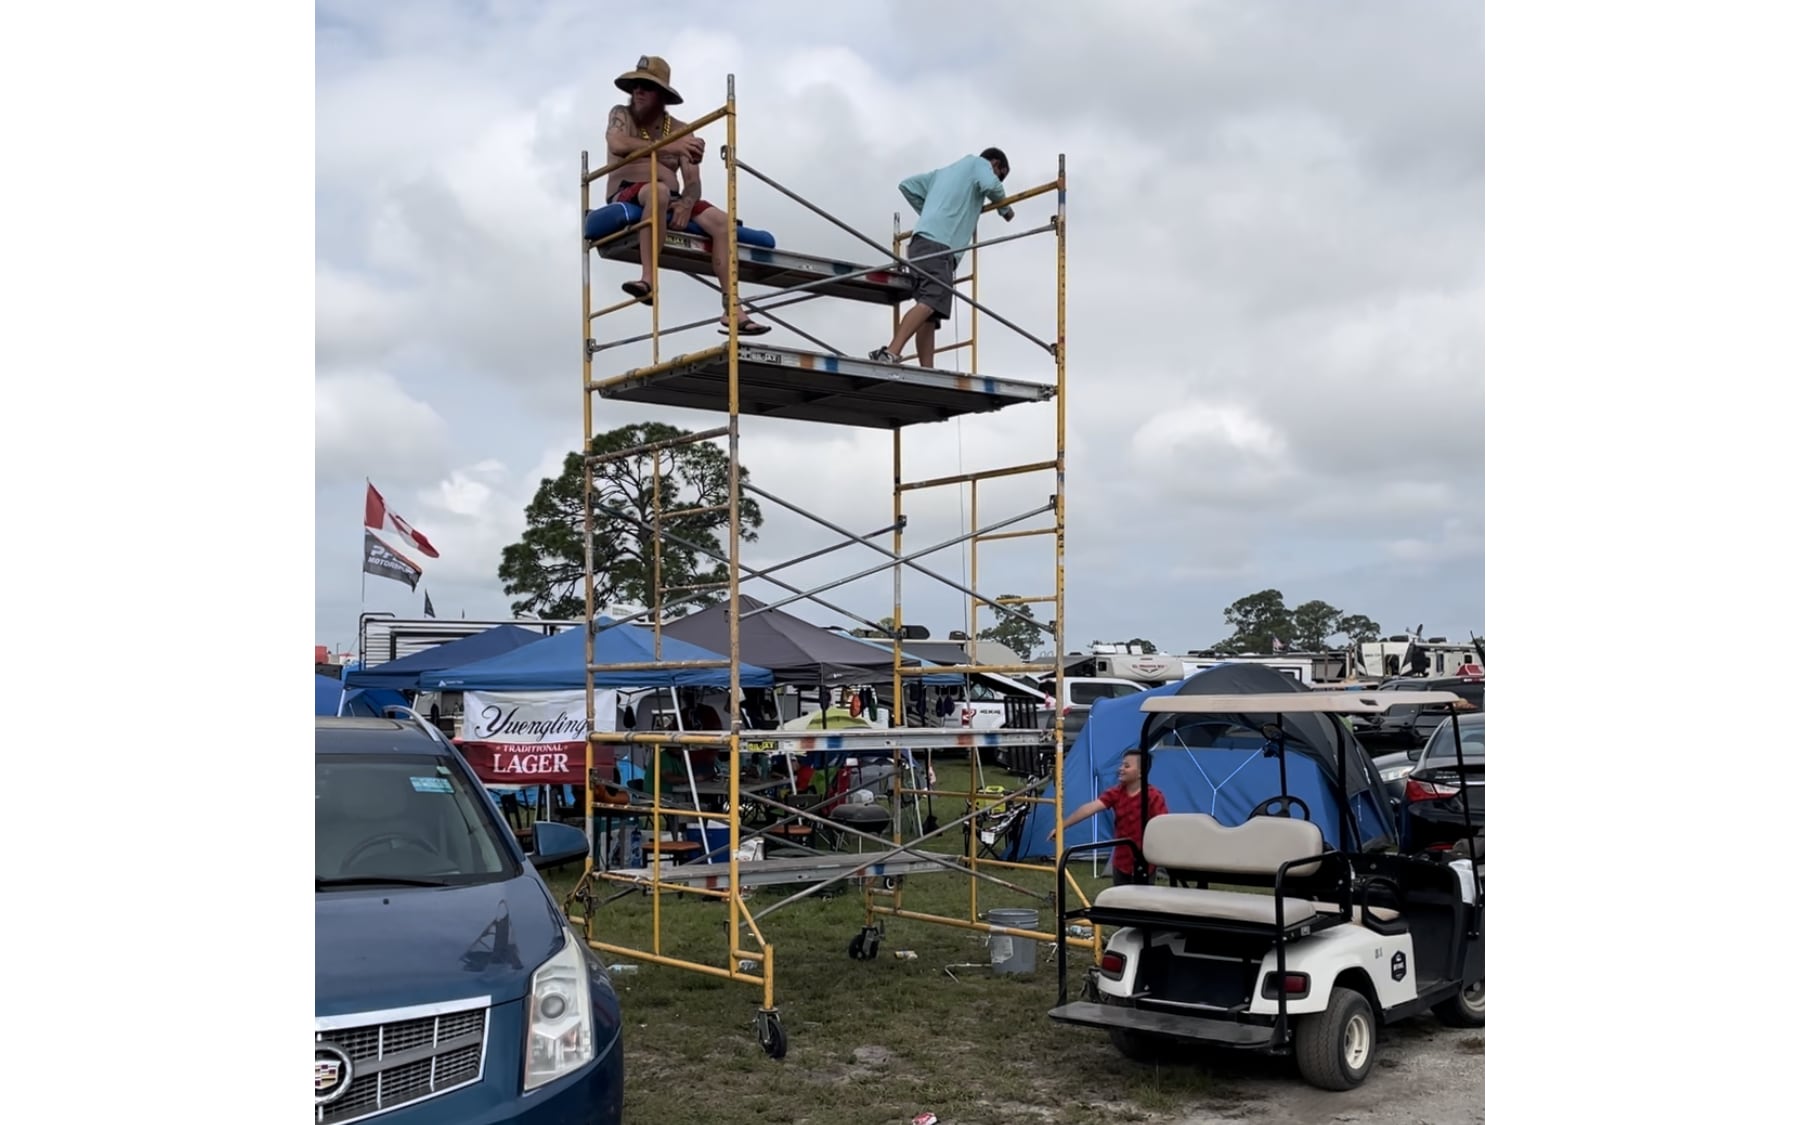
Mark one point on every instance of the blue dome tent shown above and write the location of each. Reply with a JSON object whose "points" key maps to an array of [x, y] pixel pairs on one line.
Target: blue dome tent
{"points": [[1215, 766]]}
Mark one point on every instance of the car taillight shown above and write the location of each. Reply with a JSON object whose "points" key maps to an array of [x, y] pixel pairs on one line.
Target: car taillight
{"points": [[1425, 791], [1112, 965], [1294, 984]]}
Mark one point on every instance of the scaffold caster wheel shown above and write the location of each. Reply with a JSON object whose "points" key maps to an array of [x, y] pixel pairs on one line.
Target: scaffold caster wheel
{"points": [[769, 1035], [864, 945]]}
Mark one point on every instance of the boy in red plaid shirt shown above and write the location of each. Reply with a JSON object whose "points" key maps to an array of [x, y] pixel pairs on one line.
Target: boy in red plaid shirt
{"points": [[1126, 801]]}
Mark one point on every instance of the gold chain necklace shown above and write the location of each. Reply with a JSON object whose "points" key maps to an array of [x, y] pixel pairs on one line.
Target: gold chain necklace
{"points": [[668, 126]]}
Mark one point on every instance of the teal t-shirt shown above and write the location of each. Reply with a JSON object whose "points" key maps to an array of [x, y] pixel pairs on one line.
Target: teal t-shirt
{"points": [[950, 199]]}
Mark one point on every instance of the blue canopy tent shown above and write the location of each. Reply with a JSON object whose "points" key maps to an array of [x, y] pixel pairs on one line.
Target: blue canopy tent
{"points": [[327, 692], [559, 663], [408, 673], [1216, 765]]}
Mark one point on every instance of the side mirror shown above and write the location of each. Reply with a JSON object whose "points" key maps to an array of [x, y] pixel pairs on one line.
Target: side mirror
{"points": [[553, 844]]}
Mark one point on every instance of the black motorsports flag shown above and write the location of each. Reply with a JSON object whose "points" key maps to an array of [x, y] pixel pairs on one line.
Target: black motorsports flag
{"points": [[384, 562]]}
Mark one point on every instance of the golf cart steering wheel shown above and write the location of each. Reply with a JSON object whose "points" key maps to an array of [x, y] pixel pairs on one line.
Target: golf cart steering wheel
{"points": [[1279, 806], [406, 841]]}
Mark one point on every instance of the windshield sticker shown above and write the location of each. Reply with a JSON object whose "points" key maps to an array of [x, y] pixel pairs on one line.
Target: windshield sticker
{"points": [[430, 785]]}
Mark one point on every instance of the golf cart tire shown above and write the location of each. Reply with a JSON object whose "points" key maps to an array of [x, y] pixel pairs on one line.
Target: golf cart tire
{"points": [[1460, 1011], [1336, 1048]]}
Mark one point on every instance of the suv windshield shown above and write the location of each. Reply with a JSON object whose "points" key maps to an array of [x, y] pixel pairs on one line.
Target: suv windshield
{"points": [[400, 818], [1441, 750]]}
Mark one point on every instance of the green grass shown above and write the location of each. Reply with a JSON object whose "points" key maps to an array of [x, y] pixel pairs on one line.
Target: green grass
{"points": [[869, 1041]]}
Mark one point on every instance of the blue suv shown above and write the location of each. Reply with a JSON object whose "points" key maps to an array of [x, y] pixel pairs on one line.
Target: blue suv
{"points": [[448, 988]]}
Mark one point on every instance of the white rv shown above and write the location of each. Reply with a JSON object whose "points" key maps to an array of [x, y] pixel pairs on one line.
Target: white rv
{"points": [[1387, 658], [1299, 667], [1124, 662]]}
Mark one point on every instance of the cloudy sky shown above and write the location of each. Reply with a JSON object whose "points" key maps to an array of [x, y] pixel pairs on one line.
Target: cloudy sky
{"points": [[1275, 288]]}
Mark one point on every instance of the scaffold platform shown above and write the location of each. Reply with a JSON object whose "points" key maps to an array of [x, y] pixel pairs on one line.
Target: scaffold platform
{"points": [[809, 386], [787, 870], [778, 269]]}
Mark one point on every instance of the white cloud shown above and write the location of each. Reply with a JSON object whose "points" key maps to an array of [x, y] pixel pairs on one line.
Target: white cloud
{"points": [[366, 424]]}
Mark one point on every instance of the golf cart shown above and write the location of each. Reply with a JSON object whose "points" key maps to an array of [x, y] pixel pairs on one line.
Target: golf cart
{"points": [[1268, 937]]}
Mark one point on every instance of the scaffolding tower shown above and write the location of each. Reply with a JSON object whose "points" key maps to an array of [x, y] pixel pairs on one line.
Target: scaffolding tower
{"points": [[832, 388]]}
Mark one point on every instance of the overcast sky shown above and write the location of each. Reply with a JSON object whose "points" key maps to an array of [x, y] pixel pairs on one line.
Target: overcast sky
{"points": [[1275, 288]]}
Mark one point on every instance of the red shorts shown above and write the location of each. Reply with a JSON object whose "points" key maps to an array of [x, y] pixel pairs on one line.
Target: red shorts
{"points": [[628, 193]]}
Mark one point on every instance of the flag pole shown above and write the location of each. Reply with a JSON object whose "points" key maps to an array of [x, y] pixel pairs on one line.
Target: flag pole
{"points": [[363, 598]]}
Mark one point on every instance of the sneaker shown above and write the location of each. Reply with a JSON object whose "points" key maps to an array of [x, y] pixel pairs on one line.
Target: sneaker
{"points": [[882, 355]]}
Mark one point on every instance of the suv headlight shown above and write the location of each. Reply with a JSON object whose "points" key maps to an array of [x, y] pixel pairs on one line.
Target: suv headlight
{"points": [[559, 1017]]}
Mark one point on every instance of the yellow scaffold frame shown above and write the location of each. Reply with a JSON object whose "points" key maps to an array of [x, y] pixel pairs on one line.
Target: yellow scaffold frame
{"points": [[752, 961]]}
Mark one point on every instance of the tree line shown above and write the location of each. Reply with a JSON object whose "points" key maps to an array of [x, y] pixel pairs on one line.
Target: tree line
{"points": [[543, 570]]}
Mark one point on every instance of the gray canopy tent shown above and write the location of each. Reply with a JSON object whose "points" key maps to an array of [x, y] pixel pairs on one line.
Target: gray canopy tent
{"points": [[797, 652]]}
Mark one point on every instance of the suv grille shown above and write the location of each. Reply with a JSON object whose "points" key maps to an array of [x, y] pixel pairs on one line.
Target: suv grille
{"points": [[402, 1060]]}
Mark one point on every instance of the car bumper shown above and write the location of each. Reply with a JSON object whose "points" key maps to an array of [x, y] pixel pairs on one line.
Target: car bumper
{"points": [[1426, 823]]}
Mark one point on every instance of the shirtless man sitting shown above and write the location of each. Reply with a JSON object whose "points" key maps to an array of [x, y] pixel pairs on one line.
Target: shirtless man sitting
{"points": [[632, 126]]}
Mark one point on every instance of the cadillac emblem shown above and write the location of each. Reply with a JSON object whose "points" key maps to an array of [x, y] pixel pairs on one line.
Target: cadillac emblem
{"points": [[332, 1074]]}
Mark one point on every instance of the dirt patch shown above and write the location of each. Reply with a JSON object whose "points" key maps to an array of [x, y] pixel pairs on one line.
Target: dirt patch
{"points": [[1426, 1073]]}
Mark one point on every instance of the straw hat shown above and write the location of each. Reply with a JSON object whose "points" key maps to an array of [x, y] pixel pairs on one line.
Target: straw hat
{"points": [[653, 70]]}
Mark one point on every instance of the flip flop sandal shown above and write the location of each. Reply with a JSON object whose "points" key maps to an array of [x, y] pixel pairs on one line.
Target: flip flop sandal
{"points": [[637, 289], [746, 328]]}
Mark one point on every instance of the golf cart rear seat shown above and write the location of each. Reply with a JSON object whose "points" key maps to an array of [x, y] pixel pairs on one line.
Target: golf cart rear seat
{"points": [[1255, 851]]}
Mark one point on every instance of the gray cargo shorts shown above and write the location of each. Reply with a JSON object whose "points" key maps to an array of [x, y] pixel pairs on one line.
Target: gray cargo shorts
{"points": [[933, 278]]}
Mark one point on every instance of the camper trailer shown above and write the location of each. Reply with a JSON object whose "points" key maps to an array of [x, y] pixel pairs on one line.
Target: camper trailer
{"points": [[382, 637], [1124, 662], [1299, 667], [1437, 656]]}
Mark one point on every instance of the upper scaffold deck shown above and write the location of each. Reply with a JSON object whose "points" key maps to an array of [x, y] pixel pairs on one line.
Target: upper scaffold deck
{"points": [[779, 269], [776, 382]]}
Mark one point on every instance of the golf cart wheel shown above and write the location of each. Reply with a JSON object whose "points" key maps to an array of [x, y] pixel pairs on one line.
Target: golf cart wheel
{"points": [[1467, 1008], [769, 1035], [1336, 1047]]}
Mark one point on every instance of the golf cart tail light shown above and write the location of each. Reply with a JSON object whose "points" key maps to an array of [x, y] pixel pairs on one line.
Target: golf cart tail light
{"points": [[559, 1019], [1112, 965], [1294, 984]]}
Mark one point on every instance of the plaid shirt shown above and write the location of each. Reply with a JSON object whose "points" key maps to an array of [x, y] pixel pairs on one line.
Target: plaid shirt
{"points": [[1127, 809]]}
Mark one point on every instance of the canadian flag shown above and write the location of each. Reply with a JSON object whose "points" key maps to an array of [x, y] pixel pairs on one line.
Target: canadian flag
{"points": [[378, 515]]}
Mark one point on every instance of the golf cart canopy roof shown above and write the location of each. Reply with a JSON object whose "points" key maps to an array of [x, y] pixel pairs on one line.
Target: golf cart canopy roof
{"points": [[1270, 703]]}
